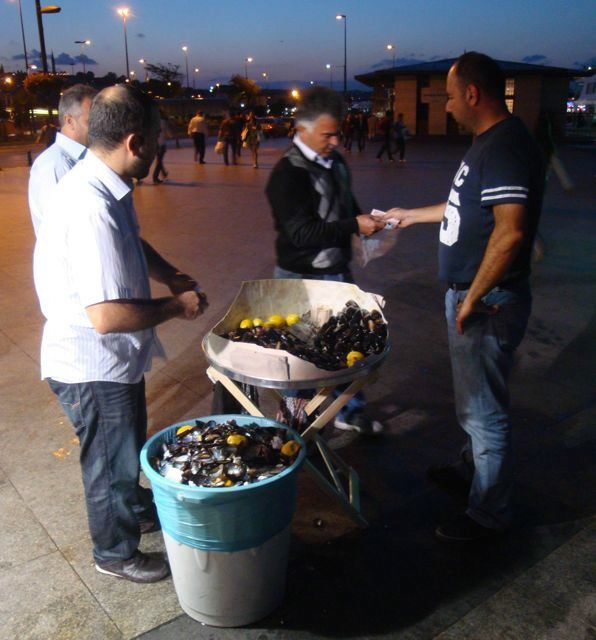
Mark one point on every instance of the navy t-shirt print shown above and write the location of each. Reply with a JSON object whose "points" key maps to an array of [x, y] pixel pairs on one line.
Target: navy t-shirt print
{"points": [[503, 166]]}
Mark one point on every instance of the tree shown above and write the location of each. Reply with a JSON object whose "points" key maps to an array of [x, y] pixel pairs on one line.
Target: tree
{"points": [[44, 88], [164, 72], [244, 90]]}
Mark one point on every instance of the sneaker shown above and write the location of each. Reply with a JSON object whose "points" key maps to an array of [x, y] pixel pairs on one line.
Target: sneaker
{"points": [[447, 478], [142, 567], [149, 525], [360, 424], [464, 530]]}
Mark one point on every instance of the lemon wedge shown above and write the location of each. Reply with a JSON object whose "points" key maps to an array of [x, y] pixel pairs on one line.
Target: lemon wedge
{"points": [[292, 318], [353, 357], [290, 448], [183, 429], [247, 323]]}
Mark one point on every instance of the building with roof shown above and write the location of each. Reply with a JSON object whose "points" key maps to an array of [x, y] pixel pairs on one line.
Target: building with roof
{"points": [[418, 91]]}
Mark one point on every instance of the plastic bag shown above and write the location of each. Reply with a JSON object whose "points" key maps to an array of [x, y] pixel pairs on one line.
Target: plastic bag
{"points": [[219, 146], [367, 248]]}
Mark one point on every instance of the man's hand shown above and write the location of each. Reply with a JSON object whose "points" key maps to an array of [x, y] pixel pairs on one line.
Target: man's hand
{"points": [[192, 304], [398, 217], [468, 307], [180, 282], [367, 224]]}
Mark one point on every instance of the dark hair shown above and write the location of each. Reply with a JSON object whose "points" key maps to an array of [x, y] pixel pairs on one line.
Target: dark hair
{"points": [[319, 101], [117, 112], [72, 99], [477, 68]]}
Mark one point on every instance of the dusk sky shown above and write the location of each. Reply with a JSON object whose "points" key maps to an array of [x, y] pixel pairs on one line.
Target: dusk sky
{"points": [[292, 41]]}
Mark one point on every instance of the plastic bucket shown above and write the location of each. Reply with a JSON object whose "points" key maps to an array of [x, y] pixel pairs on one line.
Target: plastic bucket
{"points": [[227, 546]]}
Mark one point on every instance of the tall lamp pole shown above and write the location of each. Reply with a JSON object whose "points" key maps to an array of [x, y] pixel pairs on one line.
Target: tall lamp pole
{"points": [[246, 61], [124, 12], [23, 34], [391, 47], [330, 68], [142, 61], [185, 49], [39, 10], [344, 17], [83, 43]]}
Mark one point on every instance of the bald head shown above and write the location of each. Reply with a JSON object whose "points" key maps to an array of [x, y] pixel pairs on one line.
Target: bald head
{"points": [[116, 113]]}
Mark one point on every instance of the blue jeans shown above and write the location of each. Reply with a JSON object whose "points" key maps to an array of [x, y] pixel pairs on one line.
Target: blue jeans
{"points": [[110, 420], [481, 361], [355, 406]]}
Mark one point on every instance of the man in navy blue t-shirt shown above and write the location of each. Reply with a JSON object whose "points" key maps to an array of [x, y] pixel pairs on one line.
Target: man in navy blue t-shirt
{"points": [[487, 229]]}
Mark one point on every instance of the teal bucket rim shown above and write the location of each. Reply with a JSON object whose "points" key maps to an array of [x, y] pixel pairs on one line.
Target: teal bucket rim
{"points": [[154, 477]]}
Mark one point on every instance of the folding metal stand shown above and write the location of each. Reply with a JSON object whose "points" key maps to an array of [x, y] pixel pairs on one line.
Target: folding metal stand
{"points": [[342, 482]]}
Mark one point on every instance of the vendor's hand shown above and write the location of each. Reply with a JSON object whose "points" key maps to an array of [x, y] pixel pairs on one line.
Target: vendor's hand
{"points": [[367, 224], [467, 308], [190, 303], [398, 217], [181, 282]]}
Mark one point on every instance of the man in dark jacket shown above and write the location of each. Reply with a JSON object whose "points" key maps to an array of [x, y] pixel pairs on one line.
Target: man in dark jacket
{"points": [[315, 212]]}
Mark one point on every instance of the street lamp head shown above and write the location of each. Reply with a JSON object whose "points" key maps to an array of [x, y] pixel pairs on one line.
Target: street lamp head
{"points": [[51, 8], [185, 48], [390, 47], [295, 94], [340, 16], [123, 12], [249, 59], [327, 66], [142, 61], [8, 80], [197, 69]]}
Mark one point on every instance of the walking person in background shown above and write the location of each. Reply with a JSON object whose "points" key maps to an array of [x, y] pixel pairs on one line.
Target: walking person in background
{"points": [[239, 122], [251, 136], [162, 147], [385, 128], [227, 134], [70, 147], [487, 227], [400, 131], [361, 130], [198, 130], [348, 127], [47, 134], [372, 123]]}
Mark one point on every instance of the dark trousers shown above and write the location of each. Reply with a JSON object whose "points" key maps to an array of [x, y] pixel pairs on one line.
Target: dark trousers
{"points": [[110, 420], [400, 145], [229, 143], [159, 168], [385, 148], [361, 140], [199, 142]]}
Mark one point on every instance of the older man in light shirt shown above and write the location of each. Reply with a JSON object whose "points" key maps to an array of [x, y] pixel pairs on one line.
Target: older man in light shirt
{"points": [[67, 150], [92, 274]]}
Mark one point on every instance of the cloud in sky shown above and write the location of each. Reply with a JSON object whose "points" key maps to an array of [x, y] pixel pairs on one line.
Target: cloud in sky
{"points": [[386, 63], [83, 58], [64, 59], [536, 58], [141, 35]]}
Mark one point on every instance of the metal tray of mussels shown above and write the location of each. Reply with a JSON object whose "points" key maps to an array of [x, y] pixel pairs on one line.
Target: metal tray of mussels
{"points": [[277, 368]]}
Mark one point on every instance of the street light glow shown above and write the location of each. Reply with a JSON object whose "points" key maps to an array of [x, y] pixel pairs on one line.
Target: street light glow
{"points": [[340, 16], [123, 12], [184, 48]]}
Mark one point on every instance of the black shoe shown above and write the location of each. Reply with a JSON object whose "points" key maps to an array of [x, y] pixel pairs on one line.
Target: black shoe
{"points": [[447, 478], [142, 567], [359, 423], [149, 525], [157, 181], [202, 162], [464, 530]]}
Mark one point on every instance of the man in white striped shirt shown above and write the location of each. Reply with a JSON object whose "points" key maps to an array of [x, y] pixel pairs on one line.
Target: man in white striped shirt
{"points": [[69, 147], [487, 229], [92, 273]]}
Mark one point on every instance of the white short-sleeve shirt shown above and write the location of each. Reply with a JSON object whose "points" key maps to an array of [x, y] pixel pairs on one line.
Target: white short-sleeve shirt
{"points": [[48, 168], [89, 251]]}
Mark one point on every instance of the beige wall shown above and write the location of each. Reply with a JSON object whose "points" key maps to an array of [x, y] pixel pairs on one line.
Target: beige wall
{"points": [[526, 105], [436, 98], [405, 100]]}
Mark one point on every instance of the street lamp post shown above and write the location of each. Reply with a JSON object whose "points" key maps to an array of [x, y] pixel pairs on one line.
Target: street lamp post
{"points": [[124, 12], [330, 68], [83, 43], [194, 78], [23, 34], [344, 17], [39, 10], [391, 47], [185, 49], [246, 62], [142, 61]]}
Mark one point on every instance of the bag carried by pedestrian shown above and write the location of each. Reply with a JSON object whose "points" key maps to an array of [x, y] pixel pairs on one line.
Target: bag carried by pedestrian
{"points": [[219, 147]]}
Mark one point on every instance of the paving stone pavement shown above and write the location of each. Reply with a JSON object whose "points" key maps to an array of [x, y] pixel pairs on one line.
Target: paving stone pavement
{"points": [[392, 580]]}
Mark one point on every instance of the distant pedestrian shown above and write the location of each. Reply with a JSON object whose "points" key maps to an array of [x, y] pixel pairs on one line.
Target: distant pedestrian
{"points": [[162, 142], [198, 130], [251, 137], [385, 128], [372, 123], [227, 135], [239, 122], [361, 129], [47, 134], [400, 132], [348, 127]]}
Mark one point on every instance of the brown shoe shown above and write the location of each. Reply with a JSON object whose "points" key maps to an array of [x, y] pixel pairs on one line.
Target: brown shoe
{"points": [[142, 567]]}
